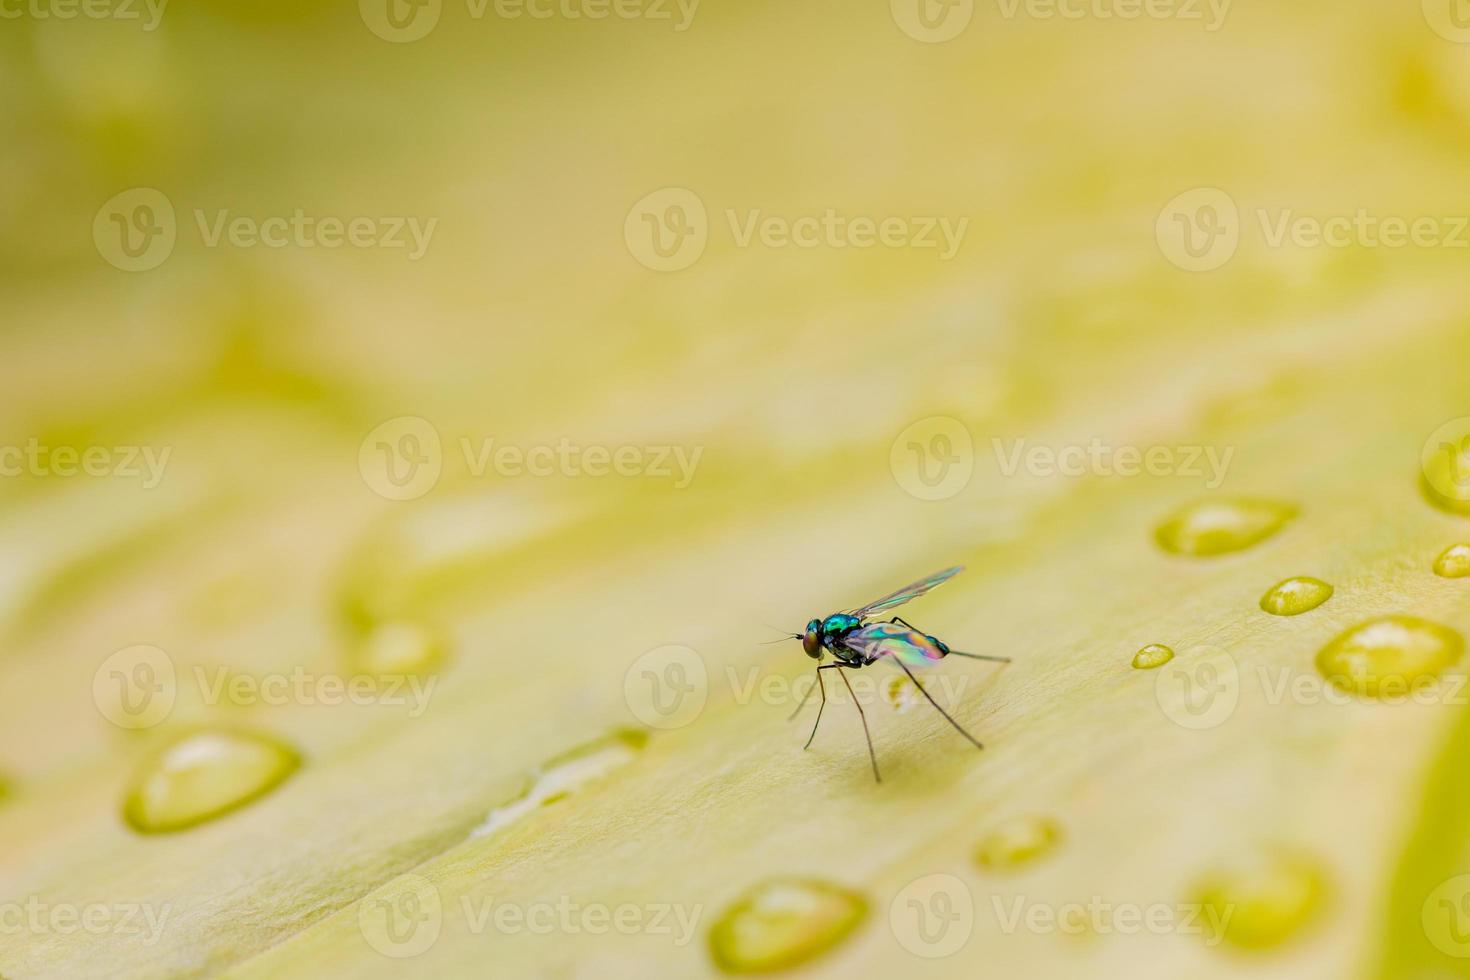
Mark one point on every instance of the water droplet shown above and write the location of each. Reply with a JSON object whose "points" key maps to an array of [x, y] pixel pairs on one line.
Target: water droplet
{"points": [[783, 922], [396, 648], [563, 775], [1217, 527], [1454, 563], [1151, 656], [1017, 842], [1389, 656], [1294, 596], [1262, 902], [900, 692], [203, 775]]}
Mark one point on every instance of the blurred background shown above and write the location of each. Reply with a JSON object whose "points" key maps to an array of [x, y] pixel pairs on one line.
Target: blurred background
{"points": [[417, 416]]}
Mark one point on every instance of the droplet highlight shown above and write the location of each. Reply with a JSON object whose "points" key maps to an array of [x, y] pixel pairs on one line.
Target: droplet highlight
{"points": [[1151, 656], [1262, 902], [1017, 843], [1218, 527], [782, 923], [1389, 656], [563, 775], [398, 647], [1454, 562], [204, 775], [1294, 596]]}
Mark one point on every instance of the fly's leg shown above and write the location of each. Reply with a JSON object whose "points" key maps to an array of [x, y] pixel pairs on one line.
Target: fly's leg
{"points": [[820, 708], [957, 726], [873, 758]]}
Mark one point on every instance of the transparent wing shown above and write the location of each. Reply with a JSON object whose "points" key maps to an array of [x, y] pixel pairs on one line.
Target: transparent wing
{"points": [[908, 592], [893, 640]]}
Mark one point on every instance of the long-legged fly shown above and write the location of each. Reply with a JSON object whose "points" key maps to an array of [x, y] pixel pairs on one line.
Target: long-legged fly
{"points": [[855, 643]]}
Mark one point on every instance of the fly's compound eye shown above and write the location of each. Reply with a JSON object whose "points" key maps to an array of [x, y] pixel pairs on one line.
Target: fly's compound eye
{"points": [[811, 641]]}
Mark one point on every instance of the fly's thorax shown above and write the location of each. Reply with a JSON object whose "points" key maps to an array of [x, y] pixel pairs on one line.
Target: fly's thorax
{"points": [[837, 624]]}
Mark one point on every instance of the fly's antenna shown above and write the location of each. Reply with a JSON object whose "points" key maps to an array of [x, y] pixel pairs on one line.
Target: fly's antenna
{"points": [[782, 638]]}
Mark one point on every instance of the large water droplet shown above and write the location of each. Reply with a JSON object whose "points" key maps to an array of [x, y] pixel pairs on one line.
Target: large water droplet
{"points": [[203, 775], [1017, 842], [565, 774], [1294, 596], [783, 922], [1217, 527], [1261, 902], [1389, 656], [1151, 656], [1454, 562]]}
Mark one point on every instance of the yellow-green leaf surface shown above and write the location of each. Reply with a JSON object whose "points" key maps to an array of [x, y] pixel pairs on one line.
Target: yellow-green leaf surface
{"points": [[522, 725]]}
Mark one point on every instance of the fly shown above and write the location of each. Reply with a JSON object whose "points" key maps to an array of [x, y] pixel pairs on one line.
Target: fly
{"points": [[854, 643]]}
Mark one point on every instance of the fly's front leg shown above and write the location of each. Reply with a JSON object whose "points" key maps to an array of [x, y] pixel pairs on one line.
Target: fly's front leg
{"points": [[821, 707]]}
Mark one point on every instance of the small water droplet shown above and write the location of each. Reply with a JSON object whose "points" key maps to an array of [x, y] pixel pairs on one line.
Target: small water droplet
{"points": [[1151, 656], [783, 922], [559, 777], [1296, 595], [1217, 527], [900, 692], [1454, 562], [1389, 655], [203, 775], [1017, 842], [1261, 902], [396, 648]]}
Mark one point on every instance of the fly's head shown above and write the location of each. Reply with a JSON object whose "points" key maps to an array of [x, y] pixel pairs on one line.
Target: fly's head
{"points": [[811, 640]]}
